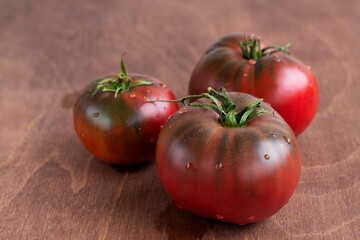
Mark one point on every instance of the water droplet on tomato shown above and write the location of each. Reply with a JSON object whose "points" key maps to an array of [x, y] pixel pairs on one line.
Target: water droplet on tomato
{"points": [[252, 61], [82, 135], [310, 85], [245, 74], [218, 166], [220, 217], [165, 108], [96, 114], [163, 85], [190, 167], [183, 110], [267, 156], [288, 140], [276, 60], [132, 95], [178, 205], [251, 218]]}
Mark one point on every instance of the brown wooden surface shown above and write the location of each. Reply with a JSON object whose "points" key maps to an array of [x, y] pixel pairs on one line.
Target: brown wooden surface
{"points": [[52, 188]]}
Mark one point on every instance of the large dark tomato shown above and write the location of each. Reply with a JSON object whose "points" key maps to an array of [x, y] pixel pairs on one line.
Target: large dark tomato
{"points": [[237, 175], [123, 129], [282, 80]]}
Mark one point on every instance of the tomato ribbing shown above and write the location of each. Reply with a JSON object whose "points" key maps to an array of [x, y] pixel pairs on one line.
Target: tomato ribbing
{"points": [[237, 175], [113, 124], [262, 70]]}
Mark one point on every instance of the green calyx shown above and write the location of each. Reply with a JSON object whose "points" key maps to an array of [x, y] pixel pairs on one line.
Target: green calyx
{"points": [[121, 82], [224, 107], [251, 48]]}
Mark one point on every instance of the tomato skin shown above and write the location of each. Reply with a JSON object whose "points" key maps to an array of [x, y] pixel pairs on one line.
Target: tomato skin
{"points": [[237, 175], [123, 130], [282, 80]]}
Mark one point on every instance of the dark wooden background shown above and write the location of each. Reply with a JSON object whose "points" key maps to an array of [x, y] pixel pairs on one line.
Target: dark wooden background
{"points": [[52, 188]]}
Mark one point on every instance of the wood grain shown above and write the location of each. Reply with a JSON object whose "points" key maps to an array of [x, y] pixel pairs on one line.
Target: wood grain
{"points": [[52, 188]]}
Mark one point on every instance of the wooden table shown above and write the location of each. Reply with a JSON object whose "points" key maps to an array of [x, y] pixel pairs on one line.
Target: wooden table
{"points": [[52, 188]]}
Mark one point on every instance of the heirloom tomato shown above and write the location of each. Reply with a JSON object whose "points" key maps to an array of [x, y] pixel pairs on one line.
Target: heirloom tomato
{"points": [[247, 64], [115, 122], [231, 158]]}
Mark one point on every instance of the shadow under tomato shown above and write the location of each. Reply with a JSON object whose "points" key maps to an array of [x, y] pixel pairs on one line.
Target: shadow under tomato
{"points": [[238, 230], [130, 168], [182, 224]]}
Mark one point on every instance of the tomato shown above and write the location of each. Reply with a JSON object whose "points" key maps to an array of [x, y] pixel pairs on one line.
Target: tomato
{"points": [[234, 174], [282, 80], [122, 128]]}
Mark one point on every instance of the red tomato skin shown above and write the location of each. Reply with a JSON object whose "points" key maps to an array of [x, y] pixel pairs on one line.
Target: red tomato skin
{"points": [[237, 175], [123, 130], [282, 80]]}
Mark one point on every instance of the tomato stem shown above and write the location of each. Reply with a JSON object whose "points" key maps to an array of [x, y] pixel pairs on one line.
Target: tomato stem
{"points": [[251, 48], [121, 82], [224, 107]]}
